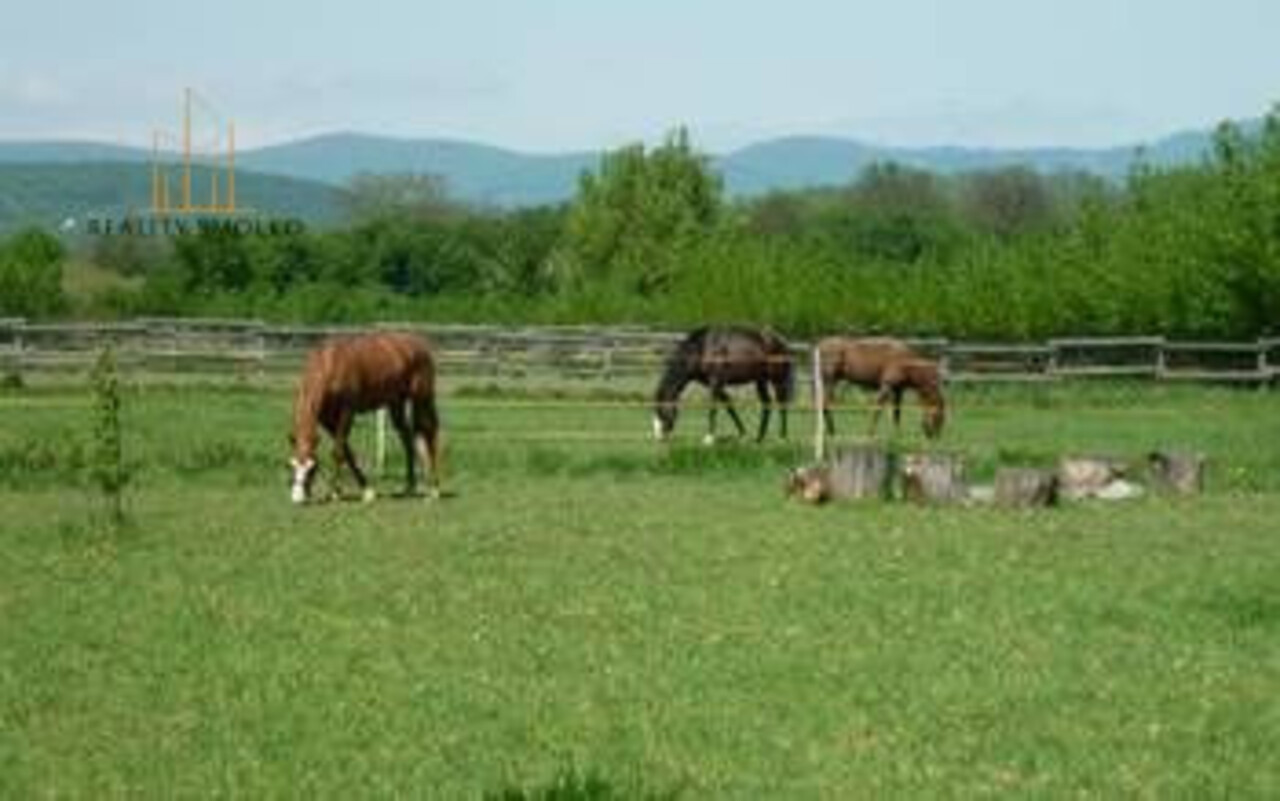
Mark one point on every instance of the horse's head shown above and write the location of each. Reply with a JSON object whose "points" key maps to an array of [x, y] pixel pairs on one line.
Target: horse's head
{"points": [[935, 415], [664, 418], [303, 467], [927, 379], [666, 398]]}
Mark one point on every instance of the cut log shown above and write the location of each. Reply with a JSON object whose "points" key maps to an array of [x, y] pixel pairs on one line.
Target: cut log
{"points": [[860, 471], [933, 478], [1088, 476], [810, 484], [1178, 472], [1026, 486]]}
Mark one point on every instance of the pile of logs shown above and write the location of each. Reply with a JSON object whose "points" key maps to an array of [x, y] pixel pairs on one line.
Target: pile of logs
{"points": [[872, 471]]}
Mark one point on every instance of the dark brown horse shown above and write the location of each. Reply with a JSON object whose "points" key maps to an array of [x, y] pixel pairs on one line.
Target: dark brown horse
{"points": [[349, 375], [722, 357], [888, 366]]}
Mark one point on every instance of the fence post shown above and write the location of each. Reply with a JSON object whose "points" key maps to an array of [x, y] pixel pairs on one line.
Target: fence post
{"points": [[19, 349], [819, 427], [380, 450], [607, 359]]}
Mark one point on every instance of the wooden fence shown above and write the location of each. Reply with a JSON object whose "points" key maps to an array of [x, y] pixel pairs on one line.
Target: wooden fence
{"points": [[255, 351]]}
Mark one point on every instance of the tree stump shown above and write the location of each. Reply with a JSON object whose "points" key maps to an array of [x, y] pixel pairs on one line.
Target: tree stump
{"points": [[860, 471], [1178, 472], [1026, 486], [933, 478], [810, 484], [1087, 476]]}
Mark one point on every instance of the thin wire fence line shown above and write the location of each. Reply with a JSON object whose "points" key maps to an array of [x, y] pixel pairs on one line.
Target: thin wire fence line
{"points": [[749, 405]]}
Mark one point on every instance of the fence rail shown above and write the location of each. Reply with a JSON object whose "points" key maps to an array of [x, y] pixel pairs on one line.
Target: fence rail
{"points": [[254, 350]]}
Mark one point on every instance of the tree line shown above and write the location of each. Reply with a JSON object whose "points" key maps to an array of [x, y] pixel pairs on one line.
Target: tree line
{"points": [[651, 237]]}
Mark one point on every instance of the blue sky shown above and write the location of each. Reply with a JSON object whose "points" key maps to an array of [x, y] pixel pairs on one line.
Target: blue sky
{"points": [[549, 75]]}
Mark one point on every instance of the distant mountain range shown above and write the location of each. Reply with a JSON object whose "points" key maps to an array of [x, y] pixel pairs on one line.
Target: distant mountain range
{"points": [[49, 181], [65, 194]]}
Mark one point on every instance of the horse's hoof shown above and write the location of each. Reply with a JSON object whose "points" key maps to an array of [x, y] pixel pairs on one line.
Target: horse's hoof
{"points": [[709, 440], [369, 495]]}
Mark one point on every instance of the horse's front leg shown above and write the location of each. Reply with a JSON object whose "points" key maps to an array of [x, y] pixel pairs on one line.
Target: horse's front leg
{"points": [[897, 407], [723, 397], [762, 392], [345, 455], [828, 398], [882, 399]]}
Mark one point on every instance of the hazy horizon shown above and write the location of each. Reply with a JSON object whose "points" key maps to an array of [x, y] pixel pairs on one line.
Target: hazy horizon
{"points": [[572, 75]]}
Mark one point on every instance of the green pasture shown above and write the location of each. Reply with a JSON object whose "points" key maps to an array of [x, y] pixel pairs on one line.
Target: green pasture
{"points": [[658, 619]]}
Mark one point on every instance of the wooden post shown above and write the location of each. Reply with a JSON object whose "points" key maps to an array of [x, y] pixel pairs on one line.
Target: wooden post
{"points": [[819, 424], [1026, 486], [860, 471], [810, 484], [1087, 476], [380, 449], [933, 478], [1178, 472]]}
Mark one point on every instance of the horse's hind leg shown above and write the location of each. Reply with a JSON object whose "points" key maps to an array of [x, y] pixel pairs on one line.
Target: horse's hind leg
{"points": [[426, 426], [400, 419]]}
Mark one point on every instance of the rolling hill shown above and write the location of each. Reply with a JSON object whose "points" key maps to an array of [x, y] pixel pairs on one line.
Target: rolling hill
{"points": [[54, 194], [42, 181]]}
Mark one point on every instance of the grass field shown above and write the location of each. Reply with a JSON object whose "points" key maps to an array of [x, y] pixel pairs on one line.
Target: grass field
{"points": [[660, 618]]}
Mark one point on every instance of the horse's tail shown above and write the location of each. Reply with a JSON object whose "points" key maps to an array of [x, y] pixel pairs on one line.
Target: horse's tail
{"points": [[425, 420]]}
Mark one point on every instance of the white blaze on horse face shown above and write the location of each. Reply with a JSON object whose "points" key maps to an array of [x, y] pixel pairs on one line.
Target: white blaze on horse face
{"points": [[301, 471], [658, 432]]}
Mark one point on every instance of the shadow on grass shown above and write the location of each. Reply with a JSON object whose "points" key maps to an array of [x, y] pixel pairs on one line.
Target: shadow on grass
{"points": [[1243, 609], [570, 784]]}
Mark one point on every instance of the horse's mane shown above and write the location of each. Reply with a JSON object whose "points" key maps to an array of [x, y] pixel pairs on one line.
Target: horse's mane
{"points": [[310, 396], [681, 364]]}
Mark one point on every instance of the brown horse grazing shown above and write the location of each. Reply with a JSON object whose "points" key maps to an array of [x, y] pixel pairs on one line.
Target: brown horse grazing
{"points": [[349, 375], [720, 357], [888, 366]]}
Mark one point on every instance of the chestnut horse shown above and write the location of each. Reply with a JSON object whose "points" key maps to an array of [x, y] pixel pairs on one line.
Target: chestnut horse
{"points": [[349, 375], [888, 366], [727, 356]]}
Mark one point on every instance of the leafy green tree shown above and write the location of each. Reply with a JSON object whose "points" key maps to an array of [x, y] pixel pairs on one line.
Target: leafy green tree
{"points": [[212, 260], [129, 255], [892, 213], [633, 219], [31, 274], [777, 214], [372, 196], [1007, 202]]}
